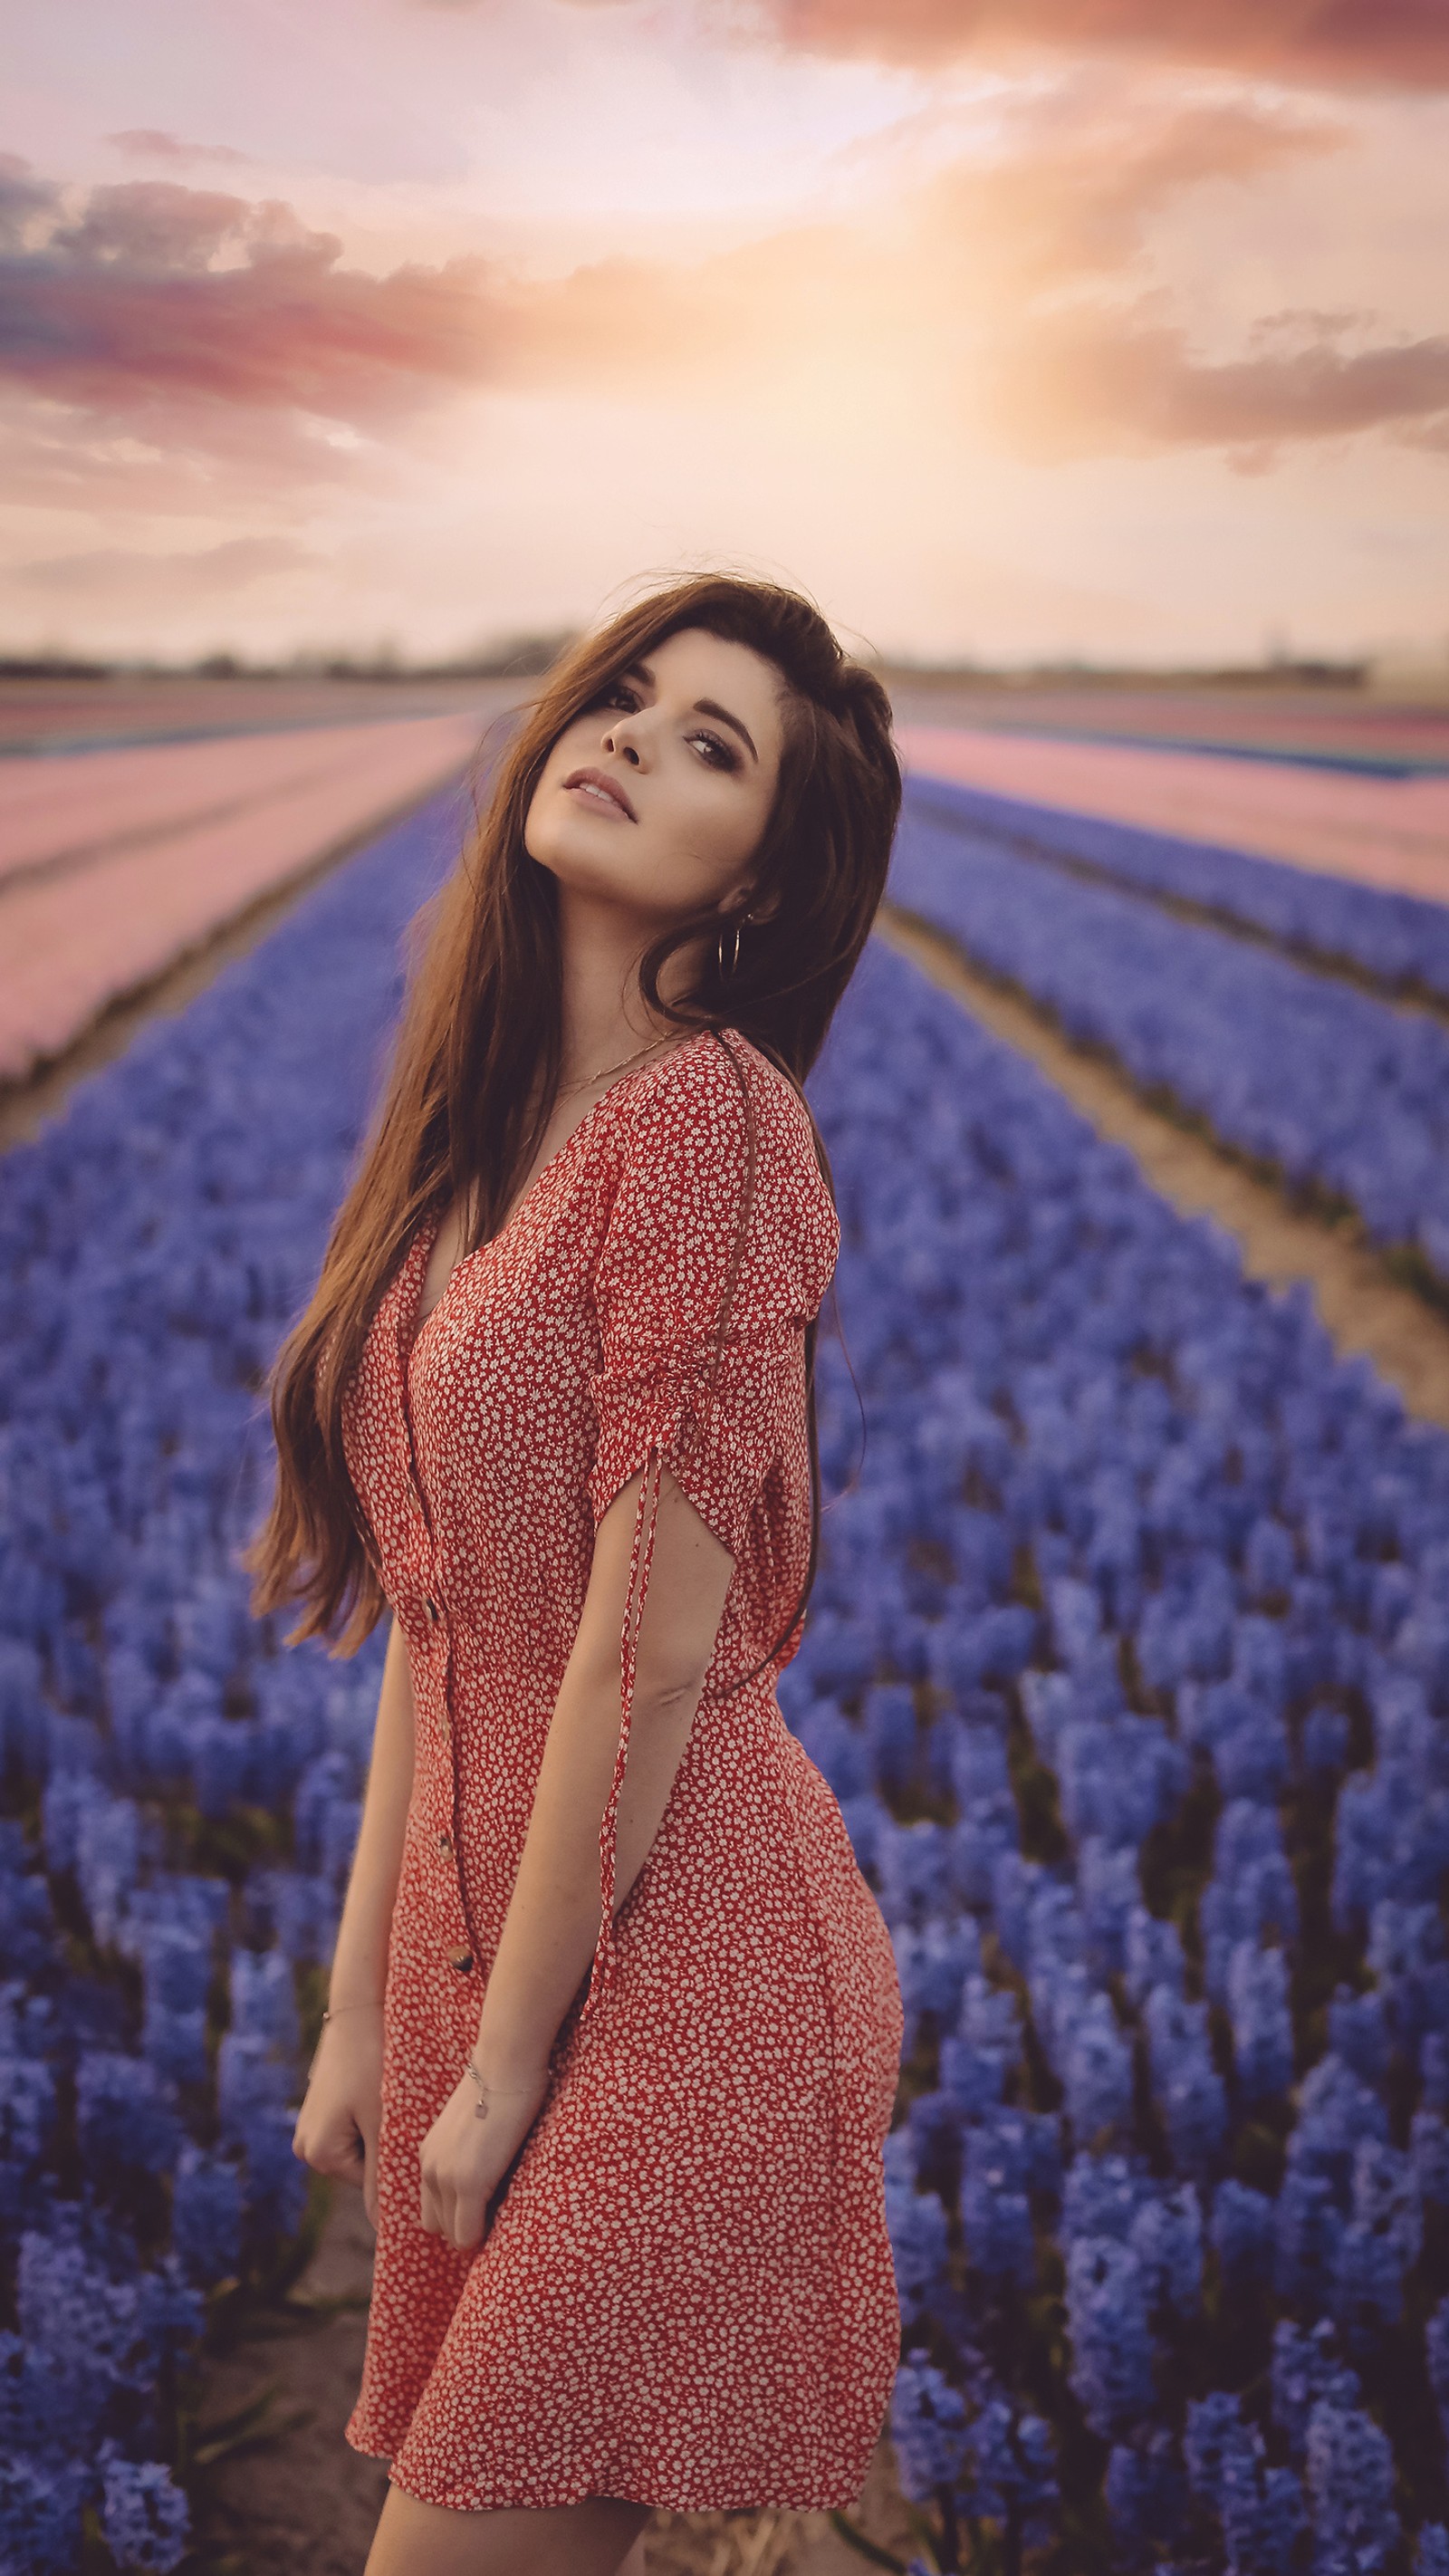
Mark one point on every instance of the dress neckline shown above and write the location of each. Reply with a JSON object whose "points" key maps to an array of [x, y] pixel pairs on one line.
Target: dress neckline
{"points": [[427, 1234]]}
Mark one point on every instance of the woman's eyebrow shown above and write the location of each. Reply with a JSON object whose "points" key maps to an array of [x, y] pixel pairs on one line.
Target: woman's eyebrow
{"points": [[708, 707]]}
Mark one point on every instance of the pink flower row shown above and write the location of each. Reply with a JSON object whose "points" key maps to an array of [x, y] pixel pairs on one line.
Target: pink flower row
{"points": [[114, 864], [1391, 832]]}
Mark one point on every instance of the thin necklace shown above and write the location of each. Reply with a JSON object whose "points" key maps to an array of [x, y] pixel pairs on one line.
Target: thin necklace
{"points": [[564, 1089], [605, 1071]]}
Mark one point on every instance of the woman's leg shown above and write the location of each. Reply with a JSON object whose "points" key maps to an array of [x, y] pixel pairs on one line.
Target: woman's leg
{"points": [[596, 2538]]}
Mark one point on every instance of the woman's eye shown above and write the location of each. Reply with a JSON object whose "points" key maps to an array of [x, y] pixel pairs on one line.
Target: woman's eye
{"points": [[717, 754]]}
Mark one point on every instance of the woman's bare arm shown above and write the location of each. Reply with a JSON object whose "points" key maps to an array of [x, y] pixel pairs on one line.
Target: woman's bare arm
{"points": [[359, 1959], [552, 1921], [337, 2126]]}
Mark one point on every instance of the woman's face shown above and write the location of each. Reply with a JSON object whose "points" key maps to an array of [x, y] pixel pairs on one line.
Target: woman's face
{"points": [[656, 798]]}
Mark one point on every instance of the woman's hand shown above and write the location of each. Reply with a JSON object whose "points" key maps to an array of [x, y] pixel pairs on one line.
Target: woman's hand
{"points": [[337, 2126], [464, 2158]]}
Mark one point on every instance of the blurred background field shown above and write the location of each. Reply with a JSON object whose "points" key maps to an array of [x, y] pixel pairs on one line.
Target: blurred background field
{"points": [[136, 825], [139, 817]]}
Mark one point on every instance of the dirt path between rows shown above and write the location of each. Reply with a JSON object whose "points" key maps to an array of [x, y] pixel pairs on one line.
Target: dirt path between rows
{"points": [[1362, 1307]]}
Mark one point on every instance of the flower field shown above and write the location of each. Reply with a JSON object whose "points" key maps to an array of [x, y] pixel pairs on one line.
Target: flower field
{"points": [[1396, 941], [1366, 802], [1343, 1094], [180, 1797], [1129, 1663], [115, 863]]}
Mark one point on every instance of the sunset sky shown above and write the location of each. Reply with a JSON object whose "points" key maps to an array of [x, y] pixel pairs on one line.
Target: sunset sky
{"points": [[1007, 327]]}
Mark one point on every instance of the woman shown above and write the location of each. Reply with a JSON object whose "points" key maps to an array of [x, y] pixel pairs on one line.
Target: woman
{"points": [[614, 2024]]}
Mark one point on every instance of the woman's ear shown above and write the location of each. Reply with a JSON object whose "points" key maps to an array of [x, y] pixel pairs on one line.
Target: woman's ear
{"points": [[745, 906]]}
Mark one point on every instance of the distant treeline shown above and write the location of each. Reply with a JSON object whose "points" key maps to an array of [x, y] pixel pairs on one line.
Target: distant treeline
{"points": [[1312, 671], [525, 656], [512, 657]]}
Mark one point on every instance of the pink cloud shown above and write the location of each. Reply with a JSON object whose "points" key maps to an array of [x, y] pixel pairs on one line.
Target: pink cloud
{"points": [[1076, 193], [152, 143], [157, 294], [1401, 44], [24, 199], [1084, 353], [222, 332], [1104, 380], [205, 572]]}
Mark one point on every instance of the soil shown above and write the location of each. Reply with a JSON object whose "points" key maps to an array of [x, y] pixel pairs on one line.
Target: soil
{"points": [[304, 2504], [1363, 1308]]}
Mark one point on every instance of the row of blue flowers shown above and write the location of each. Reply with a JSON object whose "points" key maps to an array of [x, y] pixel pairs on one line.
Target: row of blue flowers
{"points": [[1398, 941], [180, 1796], [1129, 1668], [1341, 1093], [1130, 1665]]}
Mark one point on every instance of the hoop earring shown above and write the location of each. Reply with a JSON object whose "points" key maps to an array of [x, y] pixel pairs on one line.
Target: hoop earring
{"points": [[725, 971]]}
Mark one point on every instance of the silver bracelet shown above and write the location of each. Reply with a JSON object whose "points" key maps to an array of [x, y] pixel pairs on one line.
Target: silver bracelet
{"points": [[331, 2015], [486, 2091]]}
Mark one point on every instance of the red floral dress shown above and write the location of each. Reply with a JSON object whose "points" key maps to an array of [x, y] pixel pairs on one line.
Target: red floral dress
{"points": [[685, 2296]]}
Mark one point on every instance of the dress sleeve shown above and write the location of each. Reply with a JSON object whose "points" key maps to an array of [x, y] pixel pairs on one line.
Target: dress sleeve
{"points": [[718, 1249]]}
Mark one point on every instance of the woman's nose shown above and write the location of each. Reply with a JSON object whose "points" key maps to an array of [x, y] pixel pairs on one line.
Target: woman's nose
{"points": [[617, 740]]}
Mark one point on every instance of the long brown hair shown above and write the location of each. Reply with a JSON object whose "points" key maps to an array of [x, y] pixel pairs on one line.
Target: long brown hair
{"points": [[476, 1066]]}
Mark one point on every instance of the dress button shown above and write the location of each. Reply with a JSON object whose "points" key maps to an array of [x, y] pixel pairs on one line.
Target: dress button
{"points": [[445, 1844], [461, 1959]]}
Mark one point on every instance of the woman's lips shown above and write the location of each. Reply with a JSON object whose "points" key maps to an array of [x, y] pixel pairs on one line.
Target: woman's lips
{"points": [[598, 790]]}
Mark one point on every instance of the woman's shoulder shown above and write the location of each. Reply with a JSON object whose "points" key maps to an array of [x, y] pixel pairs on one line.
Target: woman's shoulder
{"points": [[714, 1103], [703, 1094], [693, 1120]]}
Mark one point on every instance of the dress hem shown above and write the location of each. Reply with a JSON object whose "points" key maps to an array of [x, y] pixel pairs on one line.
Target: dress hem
{"points": [[679, 2500]]}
